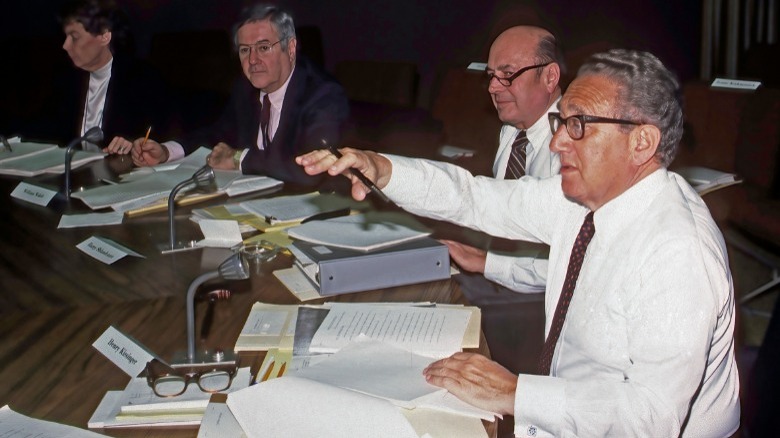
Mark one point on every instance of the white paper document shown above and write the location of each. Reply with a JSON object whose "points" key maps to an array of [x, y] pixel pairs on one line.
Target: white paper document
{"points": [[16, 425], [90, 219], [394, 374], [219, 233], [705, 180], [24, 149], [428, 331], [362, 232], [298, 207], [295, 407], [149, 187], [48, 161]]}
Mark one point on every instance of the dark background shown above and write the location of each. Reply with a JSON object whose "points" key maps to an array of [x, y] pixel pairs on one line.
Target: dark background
{"points": [[434, 35]]}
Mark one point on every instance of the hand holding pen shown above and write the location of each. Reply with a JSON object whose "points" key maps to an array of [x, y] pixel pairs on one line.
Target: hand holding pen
{"points": [[355, 165]]}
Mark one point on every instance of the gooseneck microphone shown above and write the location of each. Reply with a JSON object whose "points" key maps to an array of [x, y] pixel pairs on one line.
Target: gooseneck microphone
{"points": [[93, 135]]}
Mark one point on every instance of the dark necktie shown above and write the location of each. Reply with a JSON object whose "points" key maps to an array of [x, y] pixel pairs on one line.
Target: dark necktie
{"points": [[515, 167], [572, 273], [265, 119]]}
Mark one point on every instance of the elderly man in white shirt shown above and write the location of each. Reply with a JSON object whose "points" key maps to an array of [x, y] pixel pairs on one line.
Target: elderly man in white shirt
{"points": [[524, 69], [640, 320]]}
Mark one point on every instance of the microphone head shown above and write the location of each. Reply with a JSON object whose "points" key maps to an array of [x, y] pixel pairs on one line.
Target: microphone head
{"points": [[93, 135]]}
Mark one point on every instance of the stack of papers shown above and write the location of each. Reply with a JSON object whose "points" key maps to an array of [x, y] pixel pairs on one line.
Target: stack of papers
{"points": [[13, 424], [365, 387], [287, 209], [283, 326], [705, 180], [31, 159]]}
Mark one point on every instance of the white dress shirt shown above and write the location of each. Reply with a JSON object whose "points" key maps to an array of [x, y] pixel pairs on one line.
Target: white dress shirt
{"points": [[95, 102], [648, 341], [525, 270]]}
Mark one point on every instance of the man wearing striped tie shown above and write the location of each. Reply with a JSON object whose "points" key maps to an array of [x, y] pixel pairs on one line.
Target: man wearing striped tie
{"points": [[523, 71]]}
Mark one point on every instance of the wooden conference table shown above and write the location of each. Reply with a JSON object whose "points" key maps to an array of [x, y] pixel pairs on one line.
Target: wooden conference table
{"points": [[56, 301]]}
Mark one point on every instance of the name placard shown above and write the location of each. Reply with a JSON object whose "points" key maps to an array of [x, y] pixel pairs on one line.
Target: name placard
{"points": [[105, 250], [33, 194], [126, 353], [477, 66], [735, 84]]}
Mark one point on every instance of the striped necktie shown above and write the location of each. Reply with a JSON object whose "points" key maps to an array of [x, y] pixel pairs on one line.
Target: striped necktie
{"points": [[265, 119], [515, 167], [572, 273]]}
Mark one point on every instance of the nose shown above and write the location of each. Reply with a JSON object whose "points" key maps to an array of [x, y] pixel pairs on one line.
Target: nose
{"points": [[560, 140], [254, 55], [65, 44], [494, 86]]}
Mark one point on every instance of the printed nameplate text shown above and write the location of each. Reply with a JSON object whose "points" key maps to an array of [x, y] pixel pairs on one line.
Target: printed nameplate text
{"points": [[34, 194], [124, 351]]}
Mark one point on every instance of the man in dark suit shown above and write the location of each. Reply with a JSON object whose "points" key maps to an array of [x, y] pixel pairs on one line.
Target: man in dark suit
{"points": [[288, 107], [108, 88]]}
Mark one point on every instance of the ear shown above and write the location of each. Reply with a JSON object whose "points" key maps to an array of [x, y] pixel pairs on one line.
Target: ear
{"points": [[292, 49], [105, 38], [644, 143], [552, 76]]}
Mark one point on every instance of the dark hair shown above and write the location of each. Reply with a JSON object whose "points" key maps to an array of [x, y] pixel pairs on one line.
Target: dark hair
{"points": [[648, 92], [280, 19], [97, 17]]}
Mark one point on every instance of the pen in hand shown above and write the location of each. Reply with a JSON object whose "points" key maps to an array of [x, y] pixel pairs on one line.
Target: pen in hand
{"points": [[359, 175], [146, 138]]}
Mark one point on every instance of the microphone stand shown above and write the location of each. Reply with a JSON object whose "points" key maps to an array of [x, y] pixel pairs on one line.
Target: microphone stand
{"points": [[204, 180], [93, 135]]}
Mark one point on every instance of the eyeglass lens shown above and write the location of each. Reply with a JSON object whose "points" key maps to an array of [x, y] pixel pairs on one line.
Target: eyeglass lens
{"points": [[170, 386]]}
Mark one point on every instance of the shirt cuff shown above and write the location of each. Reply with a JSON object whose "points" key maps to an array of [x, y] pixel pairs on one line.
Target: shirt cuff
{"points": [[241, 158], [539, 406], [175, 150], [520, 274]]}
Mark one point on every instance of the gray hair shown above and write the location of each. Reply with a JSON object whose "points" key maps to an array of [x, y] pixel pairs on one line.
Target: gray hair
{"points": [[548, 51], [280, 19], [648, 92]]}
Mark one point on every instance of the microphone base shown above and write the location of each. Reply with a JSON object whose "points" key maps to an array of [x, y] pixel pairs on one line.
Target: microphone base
{"points": [[206, 359], [165, 248]]}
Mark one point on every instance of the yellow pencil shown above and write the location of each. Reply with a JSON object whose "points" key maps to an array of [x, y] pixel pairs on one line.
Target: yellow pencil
{"points": [[268, 371], [148, 131]]}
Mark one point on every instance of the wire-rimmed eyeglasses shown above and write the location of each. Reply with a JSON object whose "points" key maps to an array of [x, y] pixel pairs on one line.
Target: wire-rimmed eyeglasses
{"points": [[167, 381], [262, 48], [507, 81], [575, 125]]}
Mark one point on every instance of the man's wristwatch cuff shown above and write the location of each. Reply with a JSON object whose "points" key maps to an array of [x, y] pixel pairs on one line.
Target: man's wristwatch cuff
{"points": [[237, 159]]}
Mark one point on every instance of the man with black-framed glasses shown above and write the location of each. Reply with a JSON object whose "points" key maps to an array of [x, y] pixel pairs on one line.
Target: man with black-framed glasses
{"points": [[640, 314], [286, 106], [522, 77]]}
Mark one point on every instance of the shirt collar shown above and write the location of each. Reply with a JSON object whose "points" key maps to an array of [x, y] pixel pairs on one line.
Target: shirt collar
{"points": [[619, 213], [539, 132], [104, 72], [277, 97]]}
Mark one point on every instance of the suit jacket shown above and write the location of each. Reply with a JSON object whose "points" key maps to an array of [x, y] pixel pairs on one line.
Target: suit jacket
{"points": [[315, 108], [136, 99]]}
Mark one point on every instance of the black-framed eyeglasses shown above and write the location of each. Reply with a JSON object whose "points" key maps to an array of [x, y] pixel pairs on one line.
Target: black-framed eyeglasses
{"points": [[575, 125], [262, 48], [167, 381], [507, 81]]}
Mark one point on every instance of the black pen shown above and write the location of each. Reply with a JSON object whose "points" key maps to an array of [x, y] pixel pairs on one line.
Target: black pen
{"points": [[359, 175]]}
